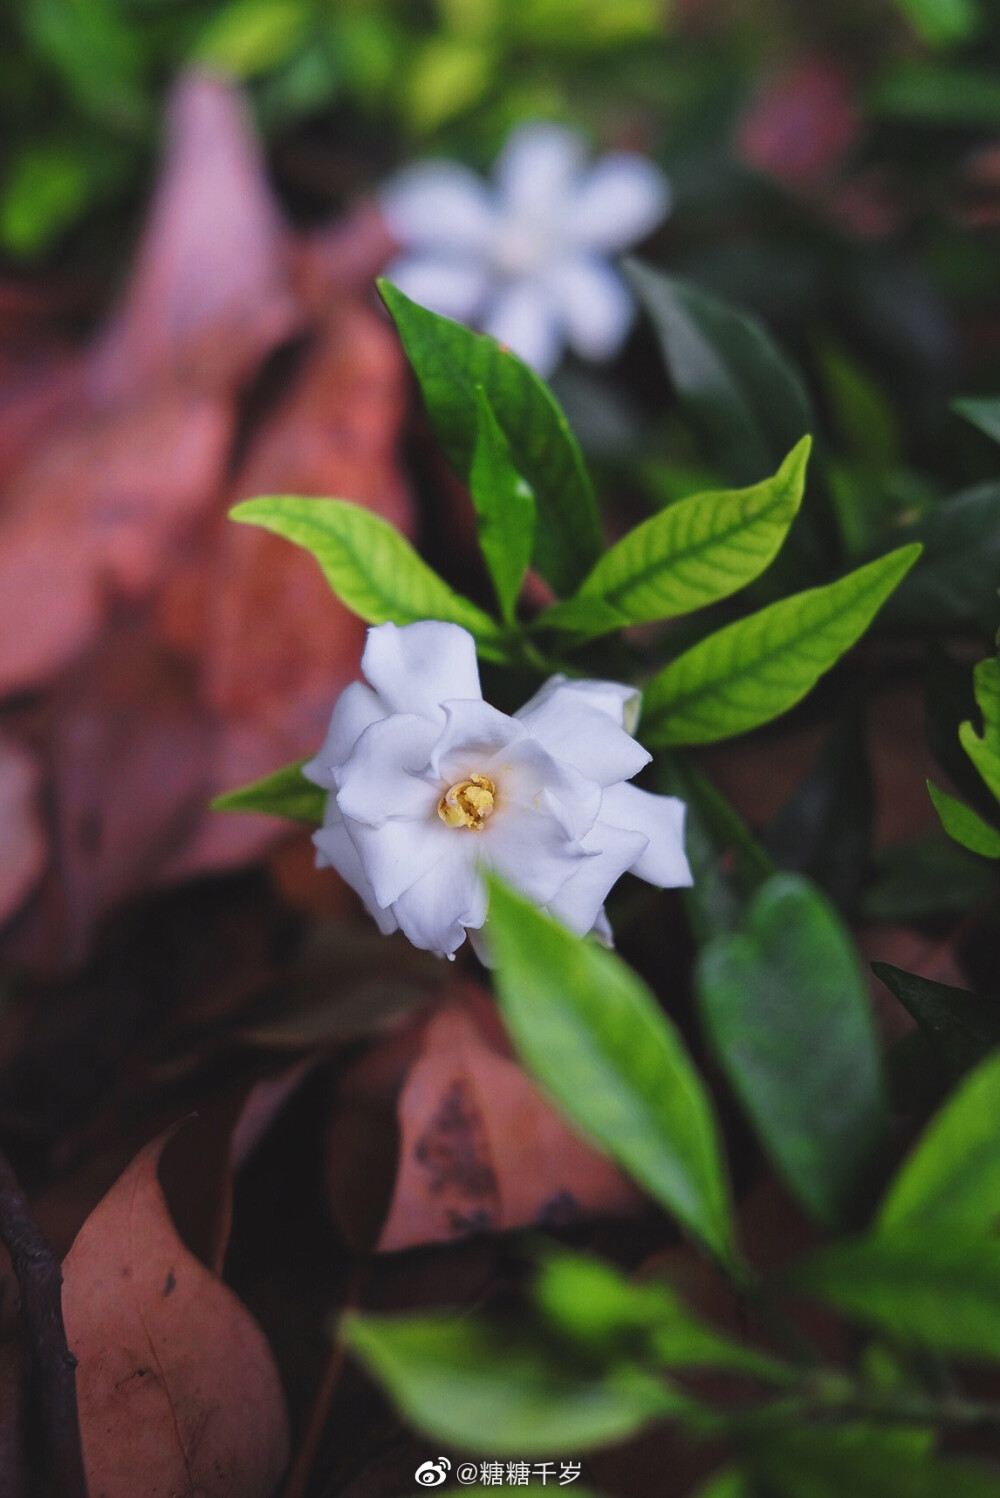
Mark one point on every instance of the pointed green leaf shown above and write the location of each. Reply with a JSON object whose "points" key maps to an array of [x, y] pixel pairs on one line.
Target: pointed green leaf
{"points": [[787, 1009], [984, 749], [693, 553], [371, 567], [965, 825], [737, 388], [477, 1386], [284, 793], [951, 1177], [505, 507], [757, 668], [940, 1287], [982, 411], [962, 1027], [449, 362], [596, 1039]]}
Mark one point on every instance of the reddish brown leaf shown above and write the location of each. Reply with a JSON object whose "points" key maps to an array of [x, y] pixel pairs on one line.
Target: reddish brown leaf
{"points": [[23, 845], [177, 1387]]}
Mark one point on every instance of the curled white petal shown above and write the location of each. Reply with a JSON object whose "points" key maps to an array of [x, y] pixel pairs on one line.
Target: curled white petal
{"points": [[524, 318], [381, 779], [473, 733], [335, 849], [444, 282], [356, 708], [595, 307], [397, 854], [438, 205], [619, 701], [613, 851], [437, 909], [416, 667], [574, 728], [661, 818], [621, 199]]}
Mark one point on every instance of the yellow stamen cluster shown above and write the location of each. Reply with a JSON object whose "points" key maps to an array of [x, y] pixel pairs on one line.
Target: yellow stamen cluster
{"points": [[468, 803]]}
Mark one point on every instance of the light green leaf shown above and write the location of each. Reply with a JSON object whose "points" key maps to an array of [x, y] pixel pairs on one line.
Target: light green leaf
{"points": [[738, 389], [371, 567], [984, 749], [693, 553], [941, 1288], [596, 1039], [284, 793], [247, 37], [951, 1177], [729, 1483], [757, 668], [505, 508], [788, 1012], [965, 825], [449, 362], [941, 21], [471, 1385]]}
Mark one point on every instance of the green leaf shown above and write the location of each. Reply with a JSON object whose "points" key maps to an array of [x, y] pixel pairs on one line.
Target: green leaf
{"points": [[284, 793], [591, 1302], [962, 1027], [757, 668], [471, 1385], [596, 1039], [933, 93], [371, 567], [449, 362], [505, 508], [956, 584], [965, 825], [982, 411], [984, 749], [742, 394], [788, 1013], [951, 1177], [941, 21], [927, 876], [939, 1288], [799, 1461], [693, 553], [729, 1483]]}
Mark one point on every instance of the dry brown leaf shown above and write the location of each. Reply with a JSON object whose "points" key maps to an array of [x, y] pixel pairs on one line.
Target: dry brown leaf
{"points": [[479, 1148], [23, 844], [177, 1388]]}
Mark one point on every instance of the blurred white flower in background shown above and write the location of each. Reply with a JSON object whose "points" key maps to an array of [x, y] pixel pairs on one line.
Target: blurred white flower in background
{"points": [[429, 786], [526, 259]]}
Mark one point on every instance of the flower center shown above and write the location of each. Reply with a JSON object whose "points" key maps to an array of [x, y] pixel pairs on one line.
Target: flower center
{"points": [[468, 803]]}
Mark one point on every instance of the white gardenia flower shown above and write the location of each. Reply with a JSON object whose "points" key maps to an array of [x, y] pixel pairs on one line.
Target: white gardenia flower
{"points": [[430, 786], [526, 259]]}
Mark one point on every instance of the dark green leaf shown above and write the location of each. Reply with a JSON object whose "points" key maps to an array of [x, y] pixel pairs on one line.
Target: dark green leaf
{"points": [[929, 876], [469, 1384], [962, 1027], [284, 793], [937, 94], [951, 1177], [593, 1035], [788, 1012], [794, 1461], [941, 21], [958, 579], [369, 565], [965, 825], [734, 384], [691, 554], [757, 668], [449, 362], [505, 508], [982, 411]]}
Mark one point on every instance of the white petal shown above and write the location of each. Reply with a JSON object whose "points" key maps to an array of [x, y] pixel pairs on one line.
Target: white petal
{"points": [[381, 779], [620, 702], [594, 304], [396, 856], [524, 318], [473, 733], [434, 912], [537, 170], [335, 848], [531, 851], [447, 284], [438, 205], [579, 733], [619, 201], [578, 904], [355, 709], [529, 779], [661, 818], [416, 667]]}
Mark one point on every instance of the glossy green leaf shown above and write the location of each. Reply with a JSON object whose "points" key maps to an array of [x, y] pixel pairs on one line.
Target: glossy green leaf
{"points": [[787, 1009], [594, 1036], [449, 362], [951, 1177], [982, 411], [984, 749], [472, 1385], [962, 1027], [284, 793], [742, 394], [757, 668], [370, 566], [799, 1461], [940, 1288], [691, 554], [505, 508], [965, 825]]}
